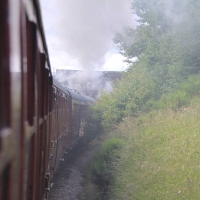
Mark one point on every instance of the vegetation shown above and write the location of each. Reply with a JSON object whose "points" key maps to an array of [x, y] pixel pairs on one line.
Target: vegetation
{"points": [[166, 44], [98, 173], [162, 156], [93, 125], [154, 108], [100, 164]]}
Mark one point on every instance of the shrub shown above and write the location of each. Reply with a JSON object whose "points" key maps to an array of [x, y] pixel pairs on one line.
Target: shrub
{"points": [[101, 162]]}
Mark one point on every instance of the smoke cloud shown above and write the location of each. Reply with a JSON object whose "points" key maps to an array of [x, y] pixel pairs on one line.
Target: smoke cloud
{"points": [[89, 84], [84, 29], [80, 34]]}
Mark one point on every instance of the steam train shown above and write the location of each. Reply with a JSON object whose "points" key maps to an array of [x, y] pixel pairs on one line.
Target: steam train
{"points": [[39, 118]]}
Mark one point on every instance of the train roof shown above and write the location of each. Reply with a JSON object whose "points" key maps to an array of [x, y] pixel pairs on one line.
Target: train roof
{"points": [[73, 93], [59, 85], [81, 97], [89, 99], [76, 95]]}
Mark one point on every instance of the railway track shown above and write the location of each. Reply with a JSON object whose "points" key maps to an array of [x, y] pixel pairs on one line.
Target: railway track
{"points": [[67, 180]]}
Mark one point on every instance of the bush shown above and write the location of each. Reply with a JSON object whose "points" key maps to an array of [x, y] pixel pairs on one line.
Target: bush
{"points": [[127, 98], [93, 126], [180, 97], [101, 162]]}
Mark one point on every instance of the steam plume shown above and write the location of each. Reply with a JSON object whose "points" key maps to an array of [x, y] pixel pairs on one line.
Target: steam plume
{"points": [[84, 29]]}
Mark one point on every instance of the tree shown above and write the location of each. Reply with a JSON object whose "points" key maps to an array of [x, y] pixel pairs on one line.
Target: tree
{"points": [[166, 40]]}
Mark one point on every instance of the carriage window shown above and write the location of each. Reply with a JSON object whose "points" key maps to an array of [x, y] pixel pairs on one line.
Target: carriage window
{"points": [[4, 67], [31, 62]]}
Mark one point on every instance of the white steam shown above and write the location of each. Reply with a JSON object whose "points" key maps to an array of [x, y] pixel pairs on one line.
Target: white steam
{"points": [[87, 83], [80, 36], [83, 30]]}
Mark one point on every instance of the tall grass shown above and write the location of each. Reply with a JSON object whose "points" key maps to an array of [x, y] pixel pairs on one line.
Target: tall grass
{"points": [[162, 156]]}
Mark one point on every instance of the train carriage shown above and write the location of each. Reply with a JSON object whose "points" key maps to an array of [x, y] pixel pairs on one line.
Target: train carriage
{"points": [[61, 125], [39, 118], [25, 91]]}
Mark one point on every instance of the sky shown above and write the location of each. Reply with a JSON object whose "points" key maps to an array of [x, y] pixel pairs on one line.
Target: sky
{"points": [[80, 33]]}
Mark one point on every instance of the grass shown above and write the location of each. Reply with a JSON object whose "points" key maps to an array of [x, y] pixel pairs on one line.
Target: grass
{"points": [[162, 156], [101, 162]]}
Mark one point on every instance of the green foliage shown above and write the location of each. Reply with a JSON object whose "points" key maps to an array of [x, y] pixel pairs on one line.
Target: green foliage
{"points": [[136, 93], [149, 105], [132, 97], [166, 40], [127, 98], [178, 98], [100, 164], [166, 44], [93, 125], [161, 157], [158, 145]]}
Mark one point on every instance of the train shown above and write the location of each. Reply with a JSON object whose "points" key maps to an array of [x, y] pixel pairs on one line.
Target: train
{"points": [[39, 118]]}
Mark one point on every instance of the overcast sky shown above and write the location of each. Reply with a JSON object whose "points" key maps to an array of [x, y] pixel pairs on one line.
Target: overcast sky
{"points": [[79, 33]]}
